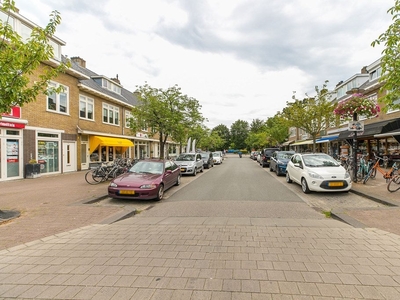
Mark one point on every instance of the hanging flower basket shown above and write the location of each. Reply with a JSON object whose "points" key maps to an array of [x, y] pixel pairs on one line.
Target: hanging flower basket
{"points": [[357, 104]]}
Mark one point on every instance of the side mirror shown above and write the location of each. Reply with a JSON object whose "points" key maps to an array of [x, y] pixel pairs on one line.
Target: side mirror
{"points": [[297, 165]]}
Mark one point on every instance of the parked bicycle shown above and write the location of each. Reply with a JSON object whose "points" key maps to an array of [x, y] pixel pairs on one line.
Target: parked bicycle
{"points": [[364, 166], [104, 171], [387, 175], [394, 184]]}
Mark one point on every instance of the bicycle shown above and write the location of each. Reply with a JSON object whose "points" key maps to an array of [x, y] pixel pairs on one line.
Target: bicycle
{"points": [[394, 184], [363, 168], [387, 175], [104, 172]]}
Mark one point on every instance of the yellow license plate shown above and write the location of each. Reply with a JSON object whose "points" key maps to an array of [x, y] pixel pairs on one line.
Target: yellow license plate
{"points": [[335, 184], [183, 169], [123, 192]]}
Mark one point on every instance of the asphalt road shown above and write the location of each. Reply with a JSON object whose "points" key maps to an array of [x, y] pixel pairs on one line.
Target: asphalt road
{"points": [[241, 188]]}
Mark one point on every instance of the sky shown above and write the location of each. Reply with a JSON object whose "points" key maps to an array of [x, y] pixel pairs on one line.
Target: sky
{"points": [[241, 59]]}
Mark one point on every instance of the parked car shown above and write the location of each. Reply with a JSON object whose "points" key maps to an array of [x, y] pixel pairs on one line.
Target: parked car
{"points": [[317, 172], [190, 163], [217, 158], [279, 161], [253, 155], [146, 179], [266, 156], [208, 160]]}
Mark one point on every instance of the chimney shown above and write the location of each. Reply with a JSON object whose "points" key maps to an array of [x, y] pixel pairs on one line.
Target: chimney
{"points": [[116, 79], [79, 61], [364, 70]]}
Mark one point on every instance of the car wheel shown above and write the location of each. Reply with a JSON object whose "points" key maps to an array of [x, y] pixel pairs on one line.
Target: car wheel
{"points": [[288, 180], [195, 171], [202, 169], [304, 186], [160, 192], [178, 180]]}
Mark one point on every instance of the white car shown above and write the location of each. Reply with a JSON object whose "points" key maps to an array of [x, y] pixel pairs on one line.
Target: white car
{"points": [[217, 158], [190, 163], [317, 172]]}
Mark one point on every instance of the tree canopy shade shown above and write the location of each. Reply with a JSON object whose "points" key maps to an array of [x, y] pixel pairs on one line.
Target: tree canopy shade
{"points": [[390, 61], [312, 114], [19, 58], [168, 113]]}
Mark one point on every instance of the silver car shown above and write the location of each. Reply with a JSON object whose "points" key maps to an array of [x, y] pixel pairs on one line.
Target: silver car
{"points": [[190, 163]]}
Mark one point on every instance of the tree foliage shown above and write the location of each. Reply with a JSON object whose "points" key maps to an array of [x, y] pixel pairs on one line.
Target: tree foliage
{"points": [[277, 130], [224, 133], [239, 132], [19, 58], [312, 114], [390, 61], [167, 113], [257, 126]]}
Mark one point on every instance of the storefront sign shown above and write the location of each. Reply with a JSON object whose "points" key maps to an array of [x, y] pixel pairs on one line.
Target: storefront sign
{"points": [[11, 125], [356, 126], [14, 113]]}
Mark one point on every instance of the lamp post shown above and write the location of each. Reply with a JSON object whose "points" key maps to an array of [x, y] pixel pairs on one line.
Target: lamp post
{"points": [[355, 151]]}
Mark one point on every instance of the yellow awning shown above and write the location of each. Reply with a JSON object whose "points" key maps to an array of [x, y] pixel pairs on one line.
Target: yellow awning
{"points": [[95, 141], [308, 142]]}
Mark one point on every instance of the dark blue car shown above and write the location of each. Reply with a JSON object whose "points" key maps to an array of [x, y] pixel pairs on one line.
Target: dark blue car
{"points": [[279, 161]]}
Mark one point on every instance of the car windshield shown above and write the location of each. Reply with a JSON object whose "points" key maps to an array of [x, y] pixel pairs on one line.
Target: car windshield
{"points": [[320, 161], [148, 167], [185, 157], [216, 154], [204, 155], [284, 155]]}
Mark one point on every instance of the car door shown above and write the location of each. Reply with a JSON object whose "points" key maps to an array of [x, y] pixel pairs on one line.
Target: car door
{"points": [[169, 175], [296, 168]]}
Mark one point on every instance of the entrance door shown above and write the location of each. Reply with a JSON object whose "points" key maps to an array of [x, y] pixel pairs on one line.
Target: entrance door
{"points": [[85, 158], [69, 157]]}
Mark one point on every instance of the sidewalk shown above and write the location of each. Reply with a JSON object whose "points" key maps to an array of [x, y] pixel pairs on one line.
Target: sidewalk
{"points": [[55, 204]]}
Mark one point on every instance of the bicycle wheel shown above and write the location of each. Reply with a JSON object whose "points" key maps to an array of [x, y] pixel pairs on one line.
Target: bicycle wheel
{"points": [[394, 184], [373, 173], [366, 177], [91, 177]]}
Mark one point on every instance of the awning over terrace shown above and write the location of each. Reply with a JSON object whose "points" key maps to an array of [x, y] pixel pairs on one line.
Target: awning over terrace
{"points": [[95, 141]]}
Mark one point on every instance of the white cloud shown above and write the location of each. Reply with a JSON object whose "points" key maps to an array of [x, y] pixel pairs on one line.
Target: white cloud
{"points": [[242, 59]]}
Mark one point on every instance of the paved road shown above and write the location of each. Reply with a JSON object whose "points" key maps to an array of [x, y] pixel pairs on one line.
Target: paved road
{"points": [[225, 249]]}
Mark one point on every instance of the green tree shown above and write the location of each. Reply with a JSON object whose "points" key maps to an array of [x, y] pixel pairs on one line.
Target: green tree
{"points": [[19, 58], [256, 141], [312, 114], [390, 62], [224, 133], [239, 132], [277, 129], [166, 112], [257, 126]]}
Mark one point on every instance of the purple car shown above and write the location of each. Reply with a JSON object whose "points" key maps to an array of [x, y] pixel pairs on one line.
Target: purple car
{"points": [[147, 179]]}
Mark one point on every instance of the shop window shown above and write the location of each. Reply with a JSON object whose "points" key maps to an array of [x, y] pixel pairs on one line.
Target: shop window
{"points": [[48, 156]]}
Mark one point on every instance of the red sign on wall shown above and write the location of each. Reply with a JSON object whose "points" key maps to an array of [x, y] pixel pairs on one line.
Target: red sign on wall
{"points": [[14, 113], [11, 125]]}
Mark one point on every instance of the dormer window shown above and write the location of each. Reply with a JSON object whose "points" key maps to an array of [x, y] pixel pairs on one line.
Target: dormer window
{"points": [[108, 84], [375, 74]]}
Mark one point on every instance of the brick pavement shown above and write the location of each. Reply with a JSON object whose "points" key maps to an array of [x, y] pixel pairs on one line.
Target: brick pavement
{"points": [[149, 257]]}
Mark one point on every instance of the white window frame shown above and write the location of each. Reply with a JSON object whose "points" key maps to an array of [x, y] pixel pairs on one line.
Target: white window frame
{"points": [[128, 116], [58, 99], [111, 109], [88, 102]]}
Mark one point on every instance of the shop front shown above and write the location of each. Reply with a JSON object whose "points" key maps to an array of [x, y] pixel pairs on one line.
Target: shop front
{"points": [[11, 145], [107, 149]]}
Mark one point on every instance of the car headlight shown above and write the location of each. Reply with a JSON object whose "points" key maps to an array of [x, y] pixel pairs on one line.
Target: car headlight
{"points": [[314, 175], [112, 184], [148, 186], [346, 175]]}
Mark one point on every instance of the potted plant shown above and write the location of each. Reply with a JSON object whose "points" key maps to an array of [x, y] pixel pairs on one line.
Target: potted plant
{"points": [[32, 169], [357, 105]]}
